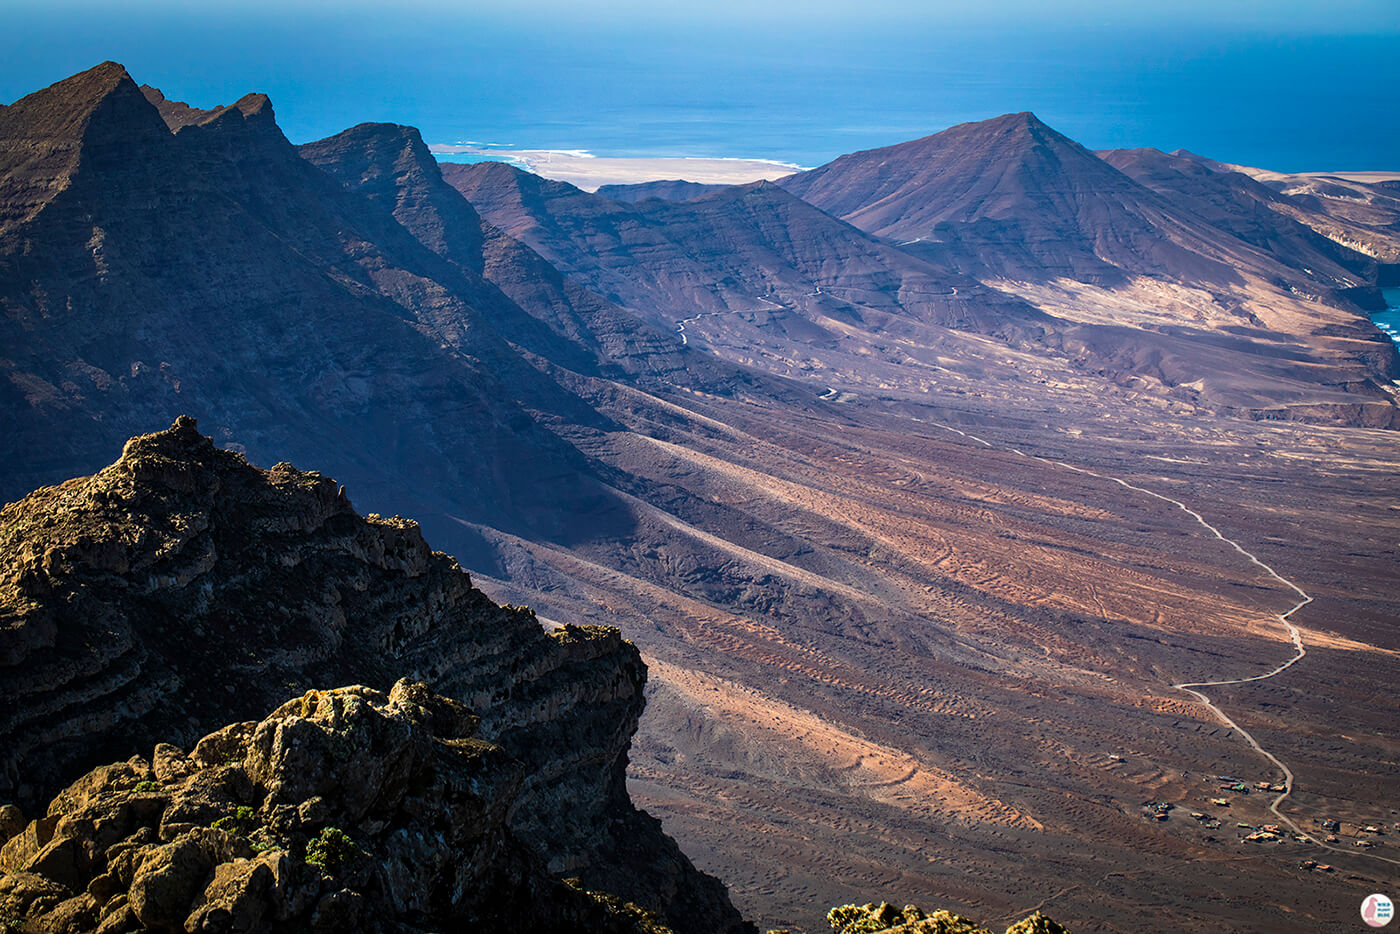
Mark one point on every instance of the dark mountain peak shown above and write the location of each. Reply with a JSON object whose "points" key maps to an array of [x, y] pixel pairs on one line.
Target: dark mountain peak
{"points": [[91, 119], [378, 135], [178, 114], [255, 104], [1015, 198], [487, 169], [242, 138], [84, 90], [1014, 137], [175, 113], [1008, 130], [982, 169], [511, 286], [65, 112], [1155, 169], [373, 149], [1010, 196], [1022, 121], [498, 183], [491, 173], [390, 164], [759, 189]]}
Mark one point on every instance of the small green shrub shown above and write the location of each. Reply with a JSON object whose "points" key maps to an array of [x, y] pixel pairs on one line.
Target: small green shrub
{"points": [[331, 849], [146, 787], [240, 822]]}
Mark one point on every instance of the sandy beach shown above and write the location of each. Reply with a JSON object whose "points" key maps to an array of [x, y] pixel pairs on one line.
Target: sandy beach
{"points": [[589, 172]]}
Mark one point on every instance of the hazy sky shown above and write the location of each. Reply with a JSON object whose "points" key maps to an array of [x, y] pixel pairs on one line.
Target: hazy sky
{"points": [[1293, 84]]}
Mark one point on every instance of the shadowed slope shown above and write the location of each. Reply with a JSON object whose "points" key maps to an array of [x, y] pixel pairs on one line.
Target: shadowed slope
{"points": [[213, 270], [669, 190], [571, 327], [1362, 215], [1251, 211]]}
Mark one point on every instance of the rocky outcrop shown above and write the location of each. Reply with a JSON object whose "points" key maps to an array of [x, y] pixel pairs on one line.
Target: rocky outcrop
{"points": [[884, 918], [347, 809], [181, 588]]}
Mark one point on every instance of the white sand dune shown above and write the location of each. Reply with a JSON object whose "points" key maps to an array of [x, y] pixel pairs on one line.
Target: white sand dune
{"points": [[578, 167]]}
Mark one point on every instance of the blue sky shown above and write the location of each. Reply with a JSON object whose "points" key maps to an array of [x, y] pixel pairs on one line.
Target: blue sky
{"points": [[1290, 84]]}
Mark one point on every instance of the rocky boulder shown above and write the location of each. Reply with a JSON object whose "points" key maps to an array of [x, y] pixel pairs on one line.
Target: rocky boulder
{"points": [[343, 810], [885, 918]]}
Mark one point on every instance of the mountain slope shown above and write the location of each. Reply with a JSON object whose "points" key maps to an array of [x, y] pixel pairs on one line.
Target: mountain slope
{"points": [[669, 190], [1249, 210], [213, 270], [1012, 198], [1007, 196], [764, 279], [742, 251], [571, 327], [1360, 215], [1021, 207]]}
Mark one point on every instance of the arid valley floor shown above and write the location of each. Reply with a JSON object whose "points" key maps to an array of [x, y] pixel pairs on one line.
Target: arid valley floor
{"points": [[938, 670]]}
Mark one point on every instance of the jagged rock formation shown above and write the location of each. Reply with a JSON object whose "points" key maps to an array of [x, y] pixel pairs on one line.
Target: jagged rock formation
{"points": [[884, 918], [182, 587], [347, 809]]}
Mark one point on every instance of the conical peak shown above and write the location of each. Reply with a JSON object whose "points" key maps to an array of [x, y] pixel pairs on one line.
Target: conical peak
{"points": [[89, 86], [1022, 125], [64, 108], [1024, 119]]}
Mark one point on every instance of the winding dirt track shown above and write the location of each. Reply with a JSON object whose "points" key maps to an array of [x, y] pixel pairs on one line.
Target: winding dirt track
{"points": [[1190, 687]]}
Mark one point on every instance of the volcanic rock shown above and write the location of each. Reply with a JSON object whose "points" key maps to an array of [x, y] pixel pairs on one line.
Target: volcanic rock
{"points": [[738, 250], [345, 809], [667, 190], [182, 587]]}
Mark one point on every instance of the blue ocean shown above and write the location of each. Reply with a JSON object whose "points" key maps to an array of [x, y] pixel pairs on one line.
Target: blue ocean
{"points": [[1389, 320], [1292, 89]]}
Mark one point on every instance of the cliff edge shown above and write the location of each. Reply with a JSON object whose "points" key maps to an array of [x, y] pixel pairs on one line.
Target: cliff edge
{"points": [[342, 810], [182, 588]]}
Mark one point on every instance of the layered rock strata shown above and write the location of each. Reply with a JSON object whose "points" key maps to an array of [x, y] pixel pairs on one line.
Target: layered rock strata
{"points": [[181, 588]]}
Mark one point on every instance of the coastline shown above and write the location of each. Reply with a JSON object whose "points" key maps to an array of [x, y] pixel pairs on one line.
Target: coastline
{"points": [[589, 172]]}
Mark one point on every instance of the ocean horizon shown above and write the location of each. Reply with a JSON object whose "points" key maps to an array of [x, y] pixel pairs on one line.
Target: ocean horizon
{"points": [[1287, 98]]}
